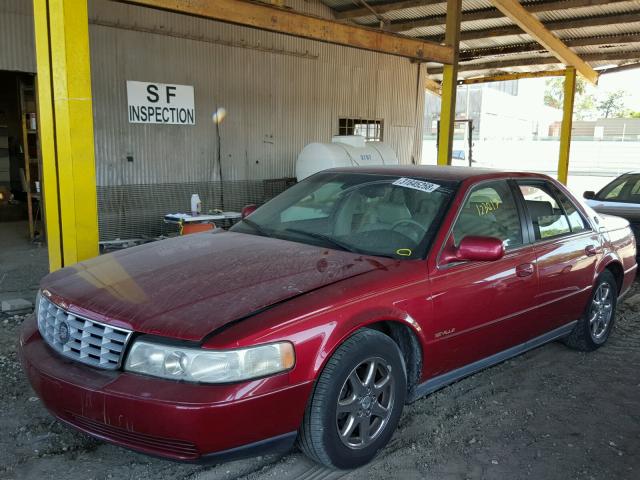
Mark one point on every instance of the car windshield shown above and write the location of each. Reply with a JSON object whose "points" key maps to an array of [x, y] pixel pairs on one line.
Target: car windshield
{"points": [[384, 215], [624, 189]]}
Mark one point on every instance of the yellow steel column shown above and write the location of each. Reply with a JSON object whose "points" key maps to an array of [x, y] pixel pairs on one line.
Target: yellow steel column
{"points": [[567, 123], [66, 125], [449, 84]]}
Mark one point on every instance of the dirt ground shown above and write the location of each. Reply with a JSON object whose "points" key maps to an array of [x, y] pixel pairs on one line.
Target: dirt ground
{"points": [[550, 414]]}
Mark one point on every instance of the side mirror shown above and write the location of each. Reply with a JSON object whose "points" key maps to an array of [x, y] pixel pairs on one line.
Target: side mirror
{"points": [[474, 249], [589, 195], [248, 210]]}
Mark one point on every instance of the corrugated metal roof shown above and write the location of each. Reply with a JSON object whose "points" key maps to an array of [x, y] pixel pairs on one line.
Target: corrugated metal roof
{"points": [[615, 26]]}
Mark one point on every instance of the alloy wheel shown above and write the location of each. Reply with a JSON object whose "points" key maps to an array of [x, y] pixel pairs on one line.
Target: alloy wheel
{"points": [[601, 312], [365, 403]]}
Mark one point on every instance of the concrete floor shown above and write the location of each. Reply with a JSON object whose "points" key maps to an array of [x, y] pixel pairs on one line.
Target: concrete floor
{"points": [[22, 263]]}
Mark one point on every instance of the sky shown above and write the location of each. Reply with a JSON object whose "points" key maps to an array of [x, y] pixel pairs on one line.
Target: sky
{"points": [[628, 80]]}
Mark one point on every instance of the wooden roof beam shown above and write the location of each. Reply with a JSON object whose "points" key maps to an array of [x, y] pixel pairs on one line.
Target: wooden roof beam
{"points": [[583, 22], [288, 22], [534, 61], [503, 77], [555, 46], [472, 54], [492, 13]]}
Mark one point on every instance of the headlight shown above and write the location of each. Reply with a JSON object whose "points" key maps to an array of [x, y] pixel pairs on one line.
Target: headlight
{"points": [[209, 366]]}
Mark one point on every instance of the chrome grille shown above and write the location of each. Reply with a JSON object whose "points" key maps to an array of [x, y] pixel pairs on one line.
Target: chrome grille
{"points": [[81, 339]]}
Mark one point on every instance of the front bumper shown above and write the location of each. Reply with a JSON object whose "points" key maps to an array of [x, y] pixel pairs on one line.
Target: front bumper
{"points": [[179, 421]]}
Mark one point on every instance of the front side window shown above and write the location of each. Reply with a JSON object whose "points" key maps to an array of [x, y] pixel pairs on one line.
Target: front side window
{"points": [[547, 216], [490, 211], [625, 189], [382, 215]]}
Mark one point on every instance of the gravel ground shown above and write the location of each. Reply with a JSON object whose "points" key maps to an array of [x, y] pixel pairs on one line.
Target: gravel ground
{"points": [[549, 414]]}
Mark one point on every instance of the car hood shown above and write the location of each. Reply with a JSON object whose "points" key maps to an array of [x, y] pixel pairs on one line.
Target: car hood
{"points": [[189, 286]]}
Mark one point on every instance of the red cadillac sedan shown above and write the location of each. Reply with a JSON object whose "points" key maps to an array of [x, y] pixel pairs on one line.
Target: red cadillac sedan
{"points": [[321, 314]]}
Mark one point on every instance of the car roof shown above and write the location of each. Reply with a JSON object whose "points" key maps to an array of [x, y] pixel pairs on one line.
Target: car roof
{"points": [[434, 172]]}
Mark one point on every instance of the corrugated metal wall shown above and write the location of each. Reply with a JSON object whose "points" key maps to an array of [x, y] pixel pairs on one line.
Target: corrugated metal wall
{"points": [[280, 93], [16, 36]]}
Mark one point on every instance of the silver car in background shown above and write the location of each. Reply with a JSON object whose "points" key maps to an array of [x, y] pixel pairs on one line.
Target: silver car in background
{"points": [[621, 197]]}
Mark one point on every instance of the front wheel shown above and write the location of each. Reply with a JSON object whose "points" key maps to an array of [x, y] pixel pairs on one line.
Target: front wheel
{"points": [[594, 328], [357, 402]]}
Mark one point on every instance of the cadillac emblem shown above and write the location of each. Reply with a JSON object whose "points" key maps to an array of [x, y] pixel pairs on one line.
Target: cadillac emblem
{"points": [[63, 333]]}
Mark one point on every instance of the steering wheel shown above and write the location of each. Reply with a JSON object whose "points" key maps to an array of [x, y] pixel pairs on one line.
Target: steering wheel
{"points": [[413, 223]]}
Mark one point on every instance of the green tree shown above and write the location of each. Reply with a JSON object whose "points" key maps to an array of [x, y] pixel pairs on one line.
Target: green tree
{"points": [[585, 102], [612, 104], [554, 90]]}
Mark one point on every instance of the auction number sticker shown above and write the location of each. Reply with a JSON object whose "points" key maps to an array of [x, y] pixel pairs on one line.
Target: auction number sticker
{"points": [[416, 184]]}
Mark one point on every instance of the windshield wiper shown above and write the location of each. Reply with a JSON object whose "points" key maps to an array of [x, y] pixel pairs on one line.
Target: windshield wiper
{"points": [[258, 228], [336, 243]]}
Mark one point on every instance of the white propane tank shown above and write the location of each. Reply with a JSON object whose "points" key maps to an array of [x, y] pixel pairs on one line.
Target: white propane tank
{"points": [[343, 151]]}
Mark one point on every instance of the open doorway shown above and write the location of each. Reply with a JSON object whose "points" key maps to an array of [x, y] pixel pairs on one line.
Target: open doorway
{"points": [[20, 169]]}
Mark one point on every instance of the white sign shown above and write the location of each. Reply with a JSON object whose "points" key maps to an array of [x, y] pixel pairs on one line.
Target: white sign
{"points": [[416, 184], [160, 103]]}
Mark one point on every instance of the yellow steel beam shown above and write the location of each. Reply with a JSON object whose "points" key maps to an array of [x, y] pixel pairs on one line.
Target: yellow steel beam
{"points": [[449, 84], [290, 22], [49, 188], [66, 126], [534, 27], [567, 123], [502, 77]]}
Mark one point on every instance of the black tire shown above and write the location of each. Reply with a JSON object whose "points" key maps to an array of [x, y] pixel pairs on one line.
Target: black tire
{"points": [[319, 436], [583, 337]]}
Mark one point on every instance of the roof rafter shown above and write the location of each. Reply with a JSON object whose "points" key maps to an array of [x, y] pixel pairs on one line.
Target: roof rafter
{"points": [[583, 22], [545, 37], [493, 13], [502, 77], [533, 61], [471, 54]]}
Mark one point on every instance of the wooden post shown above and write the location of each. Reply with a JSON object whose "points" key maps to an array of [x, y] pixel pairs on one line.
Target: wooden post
{"points": [[449, 84], [567, 123], [66, 129]]}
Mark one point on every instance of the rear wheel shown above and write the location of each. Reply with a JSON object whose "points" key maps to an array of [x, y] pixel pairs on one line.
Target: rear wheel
{"points": [[594, 328], [357, 402]]}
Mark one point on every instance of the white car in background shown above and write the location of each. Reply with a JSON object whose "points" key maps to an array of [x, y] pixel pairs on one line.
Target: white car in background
{"points": [[621, 197]]}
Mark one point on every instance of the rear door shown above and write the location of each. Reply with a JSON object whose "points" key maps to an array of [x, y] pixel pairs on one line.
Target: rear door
{"points": [[482, 308], [566, 250]]}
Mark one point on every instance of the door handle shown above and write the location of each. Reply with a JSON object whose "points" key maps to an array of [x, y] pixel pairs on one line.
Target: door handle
{"points": [[590, 250], [524, 270]]}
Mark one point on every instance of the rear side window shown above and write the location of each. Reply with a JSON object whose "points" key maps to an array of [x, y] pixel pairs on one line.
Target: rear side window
{"points": [[490, 211], [547, 216], [576, 221]]}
